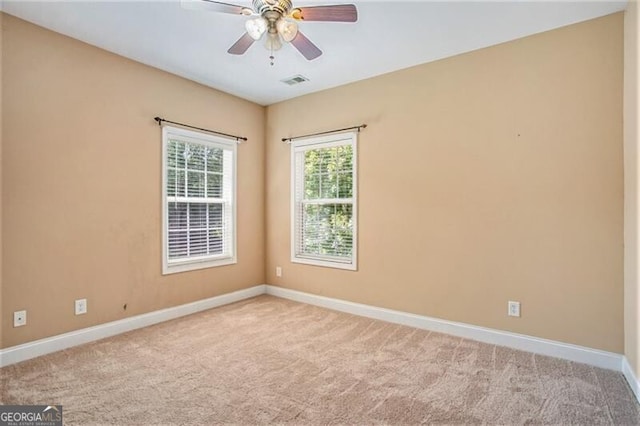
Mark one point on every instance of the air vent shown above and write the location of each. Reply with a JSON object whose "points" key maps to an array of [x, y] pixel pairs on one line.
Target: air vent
{"points": [[296, 79]]}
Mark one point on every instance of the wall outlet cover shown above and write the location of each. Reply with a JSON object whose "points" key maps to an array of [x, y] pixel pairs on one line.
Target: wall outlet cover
{"points": [[513, 309], [81, 306], [19, 318]]}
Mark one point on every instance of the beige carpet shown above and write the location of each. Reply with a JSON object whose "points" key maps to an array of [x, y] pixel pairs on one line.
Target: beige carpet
{"points": [[269, 360]]}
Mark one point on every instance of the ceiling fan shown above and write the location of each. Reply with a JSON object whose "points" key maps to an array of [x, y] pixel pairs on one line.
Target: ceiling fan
{"points": [[277, 20]]}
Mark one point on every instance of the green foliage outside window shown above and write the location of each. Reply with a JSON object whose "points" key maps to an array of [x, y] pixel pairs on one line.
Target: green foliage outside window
{"points": [[327, 218], [202, 166], [194, 171]]}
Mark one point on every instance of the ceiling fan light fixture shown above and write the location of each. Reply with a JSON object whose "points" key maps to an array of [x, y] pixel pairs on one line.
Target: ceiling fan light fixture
{"points": [[287, 29], [272, 41], [256, 27]]}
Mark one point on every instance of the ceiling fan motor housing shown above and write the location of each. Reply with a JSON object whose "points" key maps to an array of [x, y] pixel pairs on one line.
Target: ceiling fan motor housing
{"points": [[280, 6]]}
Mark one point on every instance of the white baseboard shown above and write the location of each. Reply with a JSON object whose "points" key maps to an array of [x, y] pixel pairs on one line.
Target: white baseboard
{"points": [[40, 347], [567, 351], [595, 357], [627, 371]]}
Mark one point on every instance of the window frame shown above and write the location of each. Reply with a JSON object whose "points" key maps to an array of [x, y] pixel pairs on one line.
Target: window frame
{"points": [[207, 261], [319, 142]]}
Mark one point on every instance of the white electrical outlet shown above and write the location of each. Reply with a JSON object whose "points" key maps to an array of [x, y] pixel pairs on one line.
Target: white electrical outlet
{"points": [[81, 306], [278, 271], [19, 318], [514, 309]]}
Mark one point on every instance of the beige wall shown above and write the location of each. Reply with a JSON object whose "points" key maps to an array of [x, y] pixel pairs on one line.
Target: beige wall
{"points": [[491, 176], [631, 142], [2, 318], [82, 197]]}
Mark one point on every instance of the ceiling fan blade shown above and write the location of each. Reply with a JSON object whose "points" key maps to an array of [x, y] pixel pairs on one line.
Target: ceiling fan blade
{"points": [[241, 46], [306, 47], [215, 6], [335, 13]]}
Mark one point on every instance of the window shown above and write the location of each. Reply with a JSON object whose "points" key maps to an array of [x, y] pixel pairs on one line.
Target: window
{"points": [[324, 201], [199, 212]]}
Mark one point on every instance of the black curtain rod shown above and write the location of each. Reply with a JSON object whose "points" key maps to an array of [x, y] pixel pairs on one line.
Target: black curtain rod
{"points": [[161, 120], [359, 128]]}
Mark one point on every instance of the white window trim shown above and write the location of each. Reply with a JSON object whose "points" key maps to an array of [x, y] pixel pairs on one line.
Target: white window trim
{"points": [[183, 265], [327, 141]]}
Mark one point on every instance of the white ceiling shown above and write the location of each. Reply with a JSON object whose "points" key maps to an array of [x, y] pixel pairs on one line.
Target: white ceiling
{"points": [[388, 36]]}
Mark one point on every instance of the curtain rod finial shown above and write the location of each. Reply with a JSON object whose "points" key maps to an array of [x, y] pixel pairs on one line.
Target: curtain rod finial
{"points": [[159, 120]]}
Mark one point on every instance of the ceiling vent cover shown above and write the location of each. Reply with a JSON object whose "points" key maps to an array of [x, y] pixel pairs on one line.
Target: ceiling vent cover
{"points": [[296, 79]]}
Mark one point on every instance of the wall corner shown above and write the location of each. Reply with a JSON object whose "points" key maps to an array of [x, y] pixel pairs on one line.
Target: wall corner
{"points": [[631, 186]]}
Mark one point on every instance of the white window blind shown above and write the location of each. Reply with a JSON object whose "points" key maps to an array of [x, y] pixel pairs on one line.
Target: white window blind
{"points": [[324, 208], [198, 201]]}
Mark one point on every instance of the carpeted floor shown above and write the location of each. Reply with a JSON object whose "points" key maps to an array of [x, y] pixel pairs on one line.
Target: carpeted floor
{"points": [[269, 360]]}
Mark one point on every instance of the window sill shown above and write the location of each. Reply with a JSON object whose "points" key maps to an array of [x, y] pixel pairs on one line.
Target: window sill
{"points": [[325, 263], [174, 268]]}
